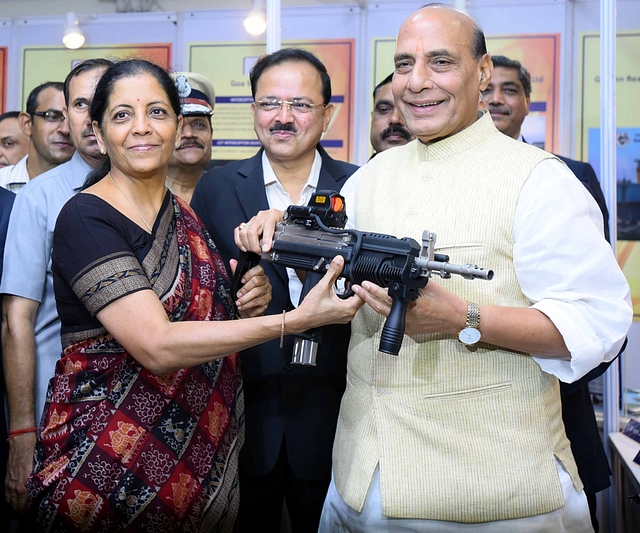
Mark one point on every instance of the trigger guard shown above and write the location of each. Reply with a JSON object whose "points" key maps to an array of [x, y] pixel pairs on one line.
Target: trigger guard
{"points": [[347, 292]]}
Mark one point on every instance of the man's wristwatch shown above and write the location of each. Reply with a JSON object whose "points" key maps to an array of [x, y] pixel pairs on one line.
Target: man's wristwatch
{"points": [[470, 335]]}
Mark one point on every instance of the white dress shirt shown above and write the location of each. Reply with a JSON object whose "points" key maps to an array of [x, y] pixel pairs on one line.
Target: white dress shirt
{"points": [[14, 177], [278, 198]]}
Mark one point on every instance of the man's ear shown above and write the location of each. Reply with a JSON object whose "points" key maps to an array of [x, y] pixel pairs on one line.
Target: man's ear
{"points": [[328, 115], [485, 69], [98, 133], [179, 130], [24, 120]]}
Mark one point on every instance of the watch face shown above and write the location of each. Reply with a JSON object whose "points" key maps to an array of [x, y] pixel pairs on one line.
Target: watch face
{"points": [[469, 335]]}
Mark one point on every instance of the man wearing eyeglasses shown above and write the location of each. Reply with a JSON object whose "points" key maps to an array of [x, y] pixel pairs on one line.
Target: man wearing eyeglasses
{"points": [[291, 411], [31, 327], [50, 144]]}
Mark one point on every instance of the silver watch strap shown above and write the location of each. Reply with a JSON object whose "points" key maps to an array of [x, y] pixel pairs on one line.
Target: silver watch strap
{"points": [[473, 316]]}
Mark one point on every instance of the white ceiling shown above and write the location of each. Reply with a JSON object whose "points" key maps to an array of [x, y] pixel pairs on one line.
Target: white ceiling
{"points": [[34, 8], [22, 8]]}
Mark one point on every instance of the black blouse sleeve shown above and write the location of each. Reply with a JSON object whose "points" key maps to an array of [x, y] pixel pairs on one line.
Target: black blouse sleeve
{"points": [[93, 253]]}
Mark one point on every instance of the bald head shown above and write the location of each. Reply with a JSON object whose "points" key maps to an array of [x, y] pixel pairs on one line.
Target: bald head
{"points": [[441, 65]]}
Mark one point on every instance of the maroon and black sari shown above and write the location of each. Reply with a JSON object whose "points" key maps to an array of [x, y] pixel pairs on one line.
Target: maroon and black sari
{"points": [[120, 448]]}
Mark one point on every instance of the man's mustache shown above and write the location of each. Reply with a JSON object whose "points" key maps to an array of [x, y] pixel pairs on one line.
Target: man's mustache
{"points": [[396, 128], [502, 110], [189, 144], [88, 131], [279, 126]]}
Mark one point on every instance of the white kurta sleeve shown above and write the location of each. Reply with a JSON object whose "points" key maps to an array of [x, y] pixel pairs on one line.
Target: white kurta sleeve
{"points": [[566, 267]]}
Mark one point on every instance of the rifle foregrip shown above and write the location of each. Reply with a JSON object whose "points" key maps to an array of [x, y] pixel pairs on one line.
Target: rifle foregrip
{"points": [[393, 331]]}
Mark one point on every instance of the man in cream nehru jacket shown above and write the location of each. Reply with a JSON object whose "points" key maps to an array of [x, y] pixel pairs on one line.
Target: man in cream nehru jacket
{"points": [[462, 431]]}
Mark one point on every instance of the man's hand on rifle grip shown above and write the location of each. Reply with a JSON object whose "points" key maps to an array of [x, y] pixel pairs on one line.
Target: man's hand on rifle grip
{"points": [[247, 235], [435, 311]]}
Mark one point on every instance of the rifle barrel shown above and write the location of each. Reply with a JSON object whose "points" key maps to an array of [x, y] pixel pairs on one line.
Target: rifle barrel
{"points": [[466, 271]]}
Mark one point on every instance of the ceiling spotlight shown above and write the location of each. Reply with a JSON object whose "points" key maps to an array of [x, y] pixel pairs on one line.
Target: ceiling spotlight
{"points": [[256, 21], [73, 37]]}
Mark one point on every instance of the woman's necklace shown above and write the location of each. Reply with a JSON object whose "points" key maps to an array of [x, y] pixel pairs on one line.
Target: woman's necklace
{"points": [[131, 203]]}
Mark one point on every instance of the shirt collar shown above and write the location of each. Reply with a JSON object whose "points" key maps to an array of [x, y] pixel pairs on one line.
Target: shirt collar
{"points": [[79, 170], [457, 143], [19, 171], [270, 176]]}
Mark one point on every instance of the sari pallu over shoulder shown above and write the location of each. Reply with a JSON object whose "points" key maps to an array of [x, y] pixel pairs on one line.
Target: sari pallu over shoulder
{"points": [[121, 448]]}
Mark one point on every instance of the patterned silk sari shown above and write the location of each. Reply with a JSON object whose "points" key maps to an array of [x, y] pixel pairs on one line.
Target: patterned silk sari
{"points": [[122, 449]]}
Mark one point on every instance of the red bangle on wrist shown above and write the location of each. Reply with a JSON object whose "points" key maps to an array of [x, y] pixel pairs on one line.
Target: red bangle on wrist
{"points": [[16, 432]]}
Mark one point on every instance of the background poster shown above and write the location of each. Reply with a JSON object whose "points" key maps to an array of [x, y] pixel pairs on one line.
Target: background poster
{"points": [[539, 54], [627, 86], [627, 140], [52, 63], [628, 193], [3, 79], [228, 65]]}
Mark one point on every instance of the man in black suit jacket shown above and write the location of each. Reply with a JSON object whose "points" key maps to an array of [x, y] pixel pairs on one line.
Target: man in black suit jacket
{"points": [[507, 98], [291, 411]]}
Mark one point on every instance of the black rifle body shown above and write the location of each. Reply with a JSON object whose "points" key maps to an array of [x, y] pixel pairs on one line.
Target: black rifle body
{"points": [[311, 236]]}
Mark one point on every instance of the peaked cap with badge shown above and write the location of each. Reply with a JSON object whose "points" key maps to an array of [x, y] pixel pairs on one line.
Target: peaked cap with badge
{"points": [[197, 96]]}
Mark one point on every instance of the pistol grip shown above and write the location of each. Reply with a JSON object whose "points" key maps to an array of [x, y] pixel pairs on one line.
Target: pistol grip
{"points": [[246, 261]]}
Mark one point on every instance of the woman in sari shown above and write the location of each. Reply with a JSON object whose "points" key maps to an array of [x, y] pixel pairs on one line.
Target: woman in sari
{"points": [[144, 416]]}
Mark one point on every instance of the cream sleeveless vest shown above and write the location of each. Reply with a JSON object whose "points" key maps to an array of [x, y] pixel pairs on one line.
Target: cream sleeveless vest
{"points": [[459, 434]]}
